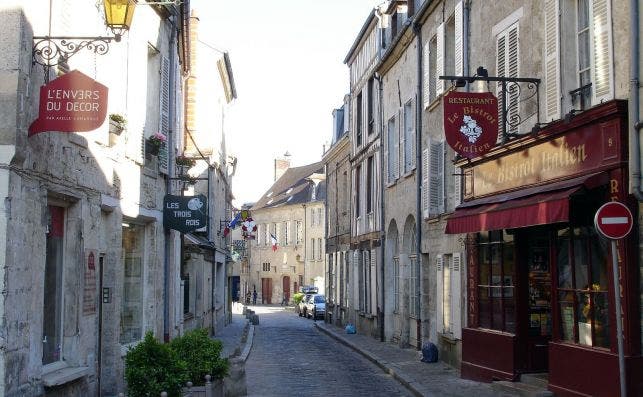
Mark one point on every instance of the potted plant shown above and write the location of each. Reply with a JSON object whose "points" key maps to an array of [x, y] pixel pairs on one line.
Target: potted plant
{"points": [[117, 123], [154, 143], [184, 161]]}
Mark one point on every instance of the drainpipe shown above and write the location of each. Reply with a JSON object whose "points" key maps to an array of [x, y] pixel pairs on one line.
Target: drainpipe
{"points": [[635, 165], [382, 315], [417, 29], [168, 181]]}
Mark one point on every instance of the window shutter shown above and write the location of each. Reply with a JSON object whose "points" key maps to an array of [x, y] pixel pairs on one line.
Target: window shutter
{"points": [[439, 61], [426, 73], [164, 122], [439, 292], [602, 86], [457, 186], [402, 135], [501, 44], [552, 61], [513, 103], [456, 303], [396, 148], [425, 183], [373, 281], [436, 178], [459, 33], [387, 176]]}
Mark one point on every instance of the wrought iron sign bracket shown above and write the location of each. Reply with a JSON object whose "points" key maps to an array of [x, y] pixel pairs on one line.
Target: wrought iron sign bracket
{"points": [[51, 51], [510, 86]]}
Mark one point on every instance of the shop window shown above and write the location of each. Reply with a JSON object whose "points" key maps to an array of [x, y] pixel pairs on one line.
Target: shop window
{"points": [[496, 297], [583, 287], [132, 302], [52, 304]]}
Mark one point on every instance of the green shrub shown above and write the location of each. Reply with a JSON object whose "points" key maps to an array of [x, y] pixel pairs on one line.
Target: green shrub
{"points": [[152, 367], [297, 297], [202, 355]]}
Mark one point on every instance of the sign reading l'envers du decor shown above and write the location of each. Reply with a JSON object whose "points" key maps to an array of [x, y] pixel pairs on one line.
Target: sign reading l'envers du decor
{"points": [[471, 122], [185, 213], [73, 102]]}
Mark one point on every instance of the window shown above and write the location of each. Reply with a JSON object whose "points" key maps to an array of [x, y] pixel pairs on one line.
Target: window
{"points": [[392, 150], [447, 324], [396, 281], [357, 259], [287, 233], [414, 287], [312, 249], [320, 217], [132, 303], [53, 286], [266, 266], [319, 249], [185, 283], [433, 179], [370, 112], [583, 287], [507, 56], [430, 76], [369, 185], [448, 294], [496, 275], [358, 120], [342, 283], [331, 279], [583, 47], [409, 137], [358, 191], [312, 217], [299, 231]]}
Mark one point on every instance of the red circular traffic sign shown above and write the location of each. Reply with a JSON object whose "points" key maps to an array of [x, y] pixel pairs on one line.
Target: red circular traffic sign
{"points": [[613, 220]]}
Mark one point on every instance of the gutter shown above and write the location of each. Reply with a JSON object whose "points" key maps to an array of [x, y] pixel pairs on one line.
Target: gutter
{"points": [[634, 146], [419, 108]]}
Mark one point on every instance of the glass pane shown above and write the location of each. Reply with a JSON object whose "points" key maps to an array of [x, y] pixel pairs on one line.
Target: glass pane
{"points": [[598, 249], [484, 307], [496, 307], [584, 318], [583, 14], [510, 313], [583, 50], [564, 267], [484, 268], [580, 263], [52, 307], [566, 303], [601, 320], [132, 303]]}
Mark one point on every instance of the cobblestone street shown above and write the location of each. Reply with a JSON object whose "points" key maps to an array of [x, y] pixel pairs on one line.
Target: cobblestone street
{"points": [[291, 357]]}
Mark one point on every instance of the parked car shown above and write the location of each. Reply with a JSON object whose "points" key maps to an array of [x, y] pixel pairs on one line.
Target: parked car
{"points": [[316, 306], [301, 308]]}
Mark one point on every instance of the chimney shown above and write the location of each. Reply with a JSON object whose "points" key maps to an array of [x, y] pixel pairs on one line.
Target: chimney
{"points": [[281, 165]]}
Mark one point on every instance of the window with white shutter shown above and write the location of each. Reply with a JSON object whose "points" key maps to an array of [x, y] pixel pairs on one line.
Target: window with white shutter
{"points": [[439, 293], [552, 61], [459, 33], [425, 183], [457, 186], [456, 294], [164, 120], [507, 66], [436, 177], [393, 150], [440, 85], [602, 71], [409, 137]]}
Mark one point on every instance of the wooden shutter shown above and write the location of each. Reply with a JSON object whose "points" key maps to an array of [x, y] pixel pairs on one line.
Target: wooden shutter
{"points": [[456, 303], [396, 148], [425, 183], [501, 51], [402, 140], [512, 71], [602, 86], [552, 61], [439, 291], [164, 122], [426, 73], [387, 172], [459, 33], [440, 85], [436, 178], [373, 281], [457, 186]]}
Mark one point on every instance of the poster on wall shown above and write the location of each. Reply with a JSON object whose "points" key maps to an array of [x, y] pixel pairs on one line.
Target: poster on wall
{"points": [[471, 122], [74, 102]]}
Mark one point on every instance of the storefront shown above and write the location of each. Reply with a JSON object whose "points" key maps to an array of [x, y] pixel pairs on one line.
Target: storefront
{"points": [[539, 280]]}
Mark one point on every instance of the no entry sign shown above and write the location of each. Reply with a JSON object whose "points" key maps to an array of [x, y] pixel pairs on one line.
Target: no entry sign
{"points": [[613, 220]]}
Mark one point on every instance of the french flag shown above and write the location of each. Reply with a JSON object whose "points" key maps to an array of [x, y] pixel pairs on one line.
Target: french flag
{"points": [[273, 240]]}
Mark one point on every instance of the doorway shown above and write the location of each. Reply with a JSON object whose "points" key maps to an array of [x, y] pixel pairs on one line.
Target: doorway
{"points": [[286, 289], [266, 291]]}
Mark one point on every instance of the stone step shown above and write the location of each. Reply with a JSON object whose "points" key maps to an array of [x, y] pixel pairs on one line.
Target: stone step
{"points": [[539, 380], [506, 388]]}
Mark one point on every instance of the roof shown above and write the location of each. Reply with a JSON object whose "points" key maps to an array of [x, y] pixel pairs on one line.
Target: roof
{"points": [[360, 36], [294, 187]]}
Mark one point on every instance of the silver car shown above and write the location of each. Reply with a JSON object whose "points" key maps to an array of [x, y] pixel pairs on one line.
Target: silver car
{"points": [[316, 306]]}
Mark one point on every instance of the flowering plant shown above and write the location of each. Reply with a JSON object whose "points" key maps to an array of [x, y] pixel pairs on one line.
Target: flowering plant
{"points": [[185, 161], [157, 139]]}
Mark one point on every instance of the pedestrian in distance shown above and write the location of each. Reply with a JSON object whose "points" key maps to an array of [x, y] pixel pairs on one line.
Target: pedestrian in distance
{"points": [[254, 297]]}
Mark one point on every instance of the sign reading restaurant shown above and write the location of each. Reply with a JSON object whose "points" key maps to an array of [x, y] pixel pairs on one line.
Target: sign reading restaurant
{"points": [[73, 102], [471, 122]]}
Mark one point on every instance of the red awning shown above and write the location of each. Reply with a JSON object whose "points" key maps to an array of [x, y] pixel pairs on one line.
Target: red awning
{"points": [[520, 210]]}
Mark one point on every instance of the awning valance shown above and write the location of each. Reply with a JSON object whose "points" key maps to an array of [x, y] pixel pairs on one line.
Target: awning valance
{"points": [[528, 207]]}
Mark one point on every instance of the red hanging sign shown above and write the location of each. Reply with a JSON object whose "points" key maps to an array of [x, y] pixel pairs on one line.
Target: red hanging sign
{"points": [[73, 102], [471, 122]]}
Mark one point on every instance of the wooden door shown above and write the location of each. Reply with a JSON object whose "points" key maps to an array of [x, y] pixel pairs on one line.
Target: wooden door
{"points": [[266, 291], [286, 289]]}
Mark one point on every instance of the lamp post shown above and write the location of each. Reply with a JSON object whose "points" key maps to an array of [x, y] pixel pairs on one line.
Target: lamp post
{"points": [[51, 51]]}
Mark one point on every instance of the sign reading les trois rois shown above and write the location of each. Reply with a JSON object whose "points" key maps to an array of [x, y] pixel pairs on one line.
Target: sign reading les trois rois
{"points": [[73, 102], [185, 213], [471, 122]]}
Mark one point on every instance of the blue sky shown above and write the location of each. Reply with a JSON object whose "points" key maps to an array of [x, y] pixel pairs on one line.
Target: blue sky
{"points": [[287, 60]]}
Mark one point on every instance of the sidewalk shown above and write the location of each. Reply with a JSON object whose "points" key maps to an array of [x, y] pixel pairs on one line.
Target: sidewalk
{"points": [[232, 334], [422, 379]]}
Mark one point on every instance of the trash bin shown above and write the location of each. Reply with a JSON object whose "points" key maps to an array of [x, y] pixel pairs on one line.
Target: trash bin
{"points": [[429, 353]]}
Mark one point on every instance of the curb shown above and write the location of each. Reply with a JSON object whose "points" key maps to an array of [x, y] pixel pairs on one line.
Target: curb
{"points": [[248, 346], [385, 366]]}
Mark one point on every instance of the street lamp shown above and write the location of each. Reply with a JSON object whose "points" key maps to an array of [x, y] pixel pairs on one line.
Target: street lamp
{"points": [[51, 51]]}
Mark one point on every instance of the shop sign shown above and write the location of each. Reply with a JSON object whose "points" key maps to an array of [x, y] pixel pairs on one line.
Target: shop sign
{"points": [[581, 151], [471, 122], [185, 213], [73, 102]]}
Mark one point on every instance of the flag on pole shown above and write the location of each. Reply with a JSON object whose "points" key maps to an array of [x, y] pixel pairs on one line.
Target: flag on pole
{"points": [[273, 240]]}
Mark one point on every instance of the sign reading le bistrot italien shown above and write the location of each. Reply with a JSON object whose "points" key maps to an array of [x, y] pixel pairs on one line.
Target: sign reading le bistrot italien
{"points": [[184, 213], [73, 102], [471, 122]]}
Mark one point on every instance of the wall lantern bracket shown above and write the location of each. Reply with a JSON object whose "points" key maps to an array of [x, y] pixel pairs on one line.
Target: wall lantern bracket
{"points": [[512, 91]]}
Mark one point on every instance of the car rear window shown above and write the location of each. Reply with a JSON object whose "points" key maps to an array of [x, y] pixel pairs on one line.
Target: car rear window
{"points": [[319, 299]]}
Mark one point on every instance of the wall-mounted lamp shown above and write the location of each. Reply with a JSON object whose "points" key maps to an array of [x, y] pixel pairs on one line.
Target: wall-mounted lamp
{"points": [[570, 115], [50, 51]]}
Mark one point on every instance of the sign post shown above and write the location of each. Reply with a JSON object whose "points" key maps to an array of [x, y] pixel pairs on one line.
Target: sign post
{"points": [[614, 221]]}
